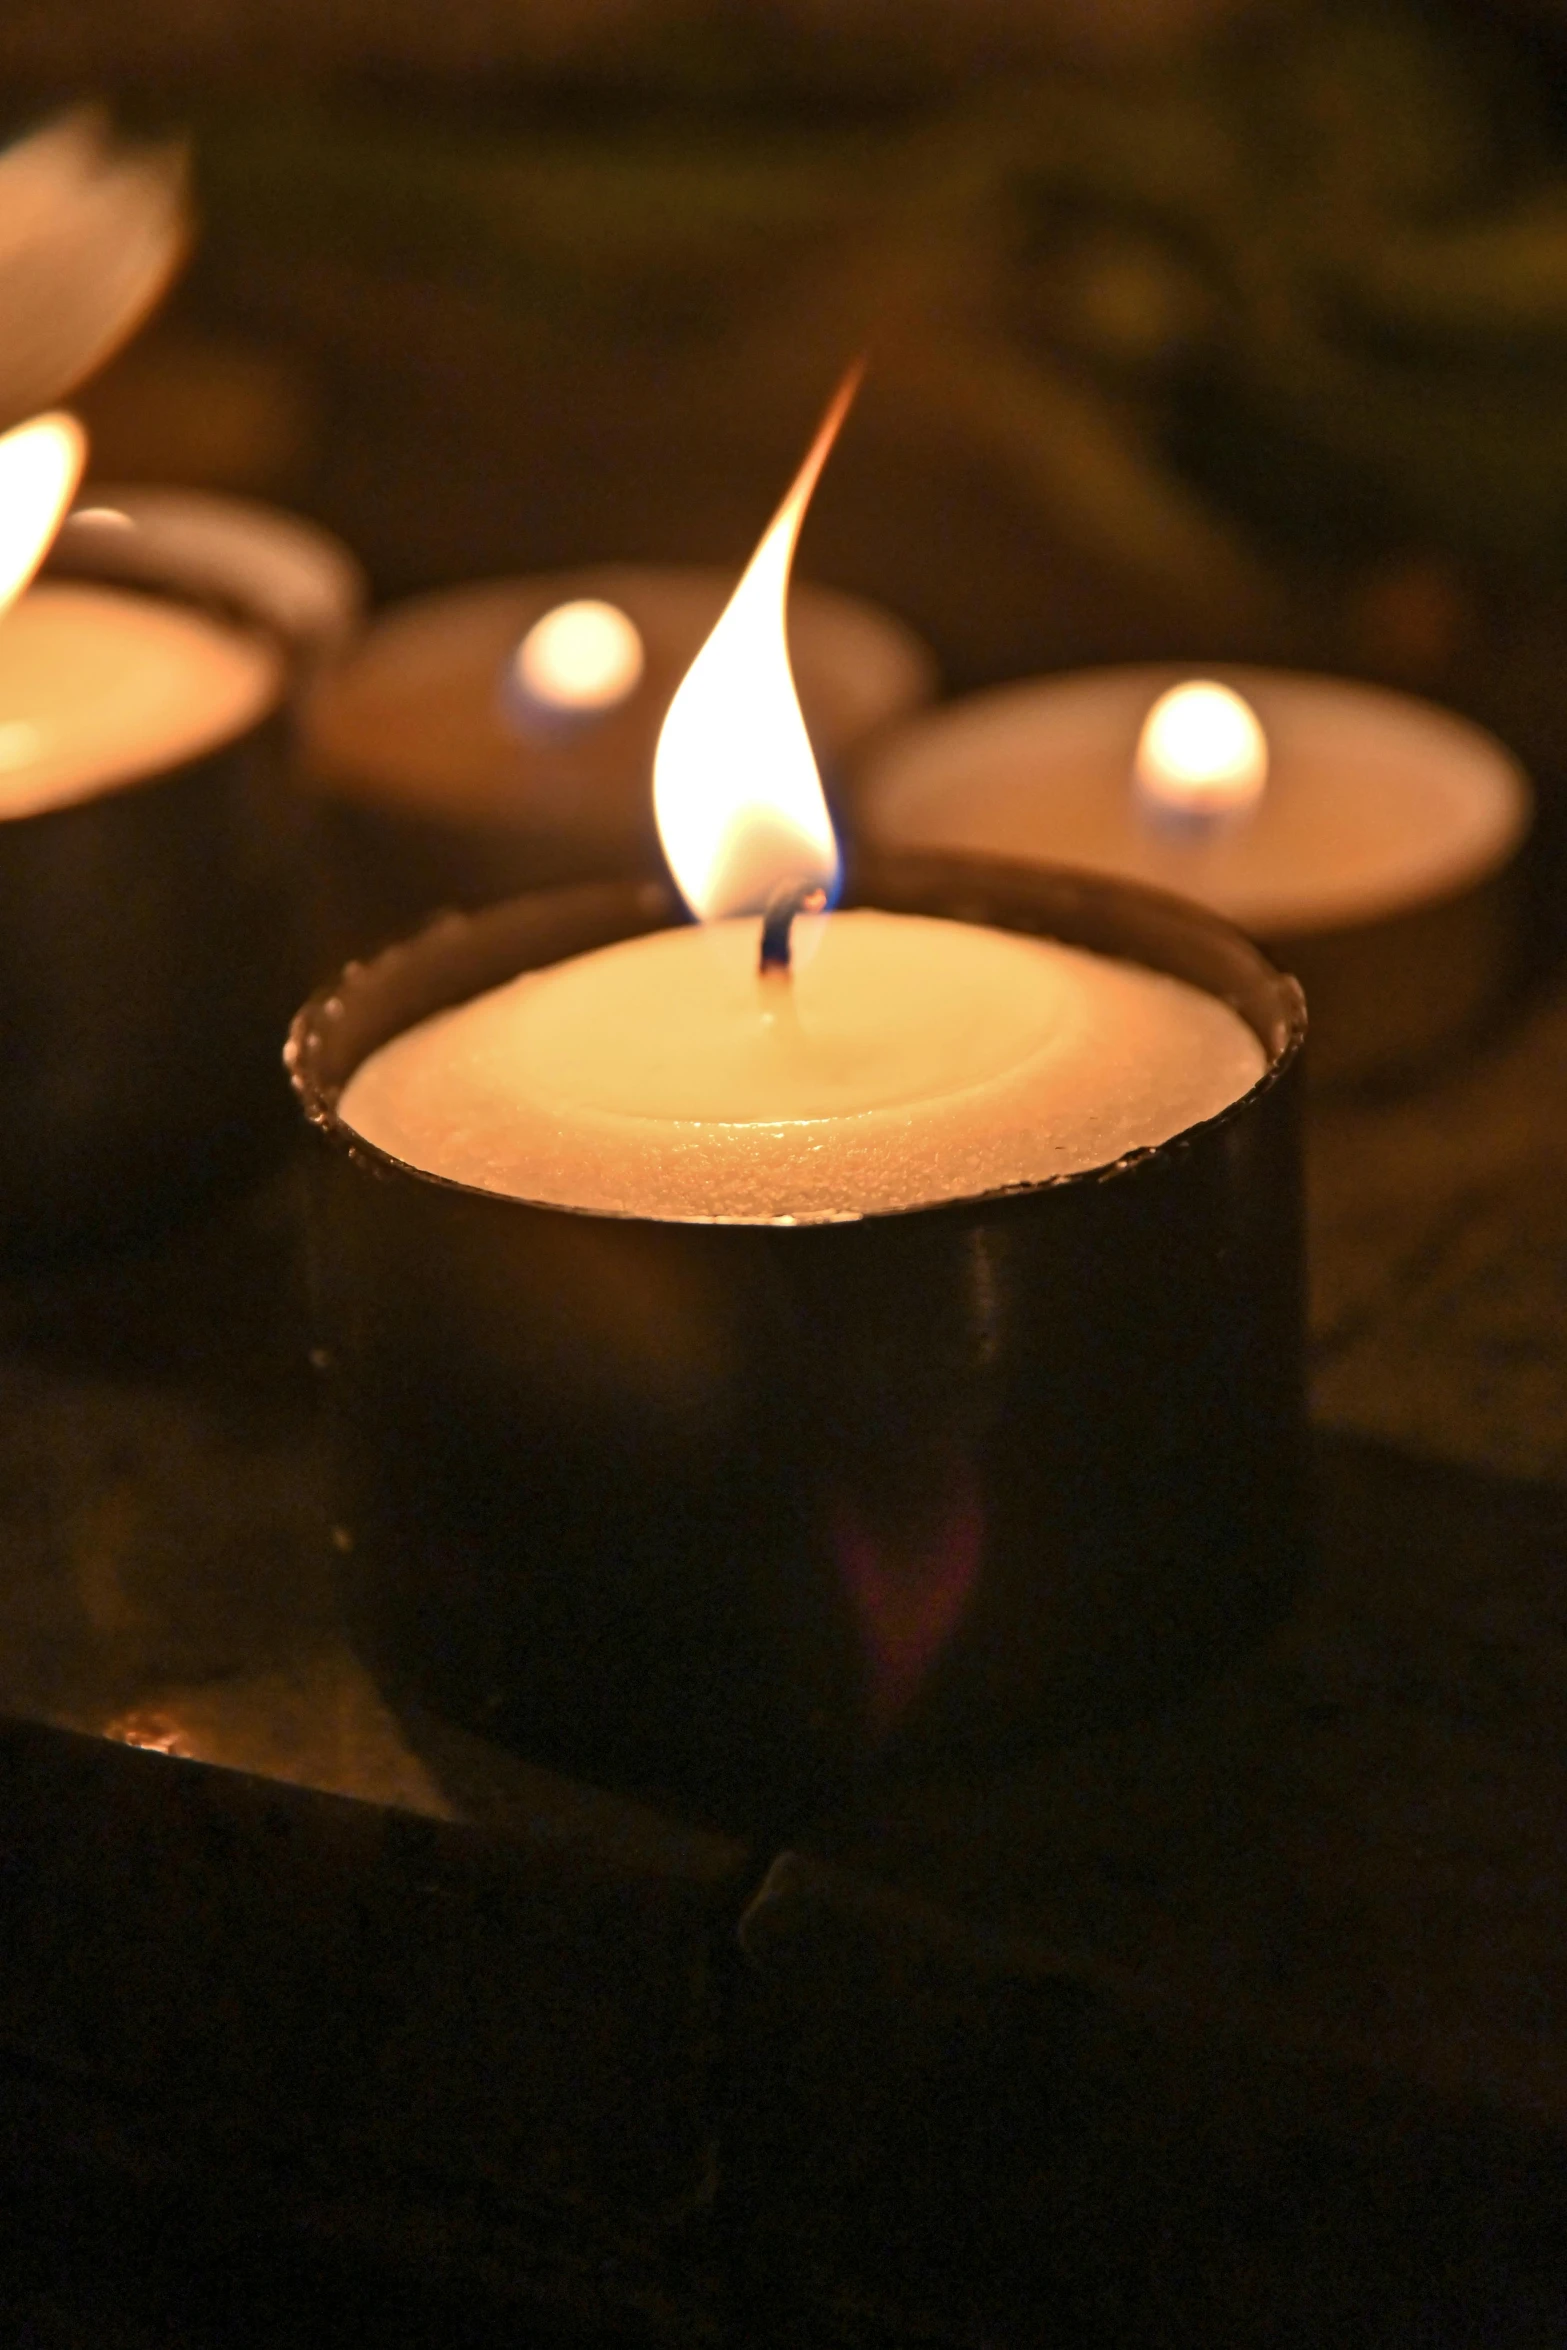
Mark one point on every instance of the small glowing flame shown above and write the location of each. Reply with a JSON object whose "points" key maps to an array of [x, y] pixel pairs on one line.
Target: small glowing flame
{"points": [[736, 793], [40, 466], [580, 659], [1202, 756], [150, 1727]]}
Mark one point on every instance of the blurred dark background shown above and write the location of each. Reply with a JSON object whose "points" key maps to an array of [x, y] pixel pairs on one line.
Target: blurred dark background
{"points": [[1197, 326]]}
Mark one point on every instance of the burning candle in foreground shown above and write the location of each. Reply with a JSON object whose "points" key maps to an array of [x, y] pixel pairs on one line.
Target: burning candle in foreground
{"points": [[906, 1061], [804, 1334], [1364, 836]]}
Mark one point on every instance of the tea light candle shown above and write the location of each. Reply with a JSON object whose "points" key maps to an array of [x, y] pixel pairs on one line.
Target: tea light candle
{"points": [[98, 688], [144, 857], [758, 1346], [1363, 834], [726, 1510]]}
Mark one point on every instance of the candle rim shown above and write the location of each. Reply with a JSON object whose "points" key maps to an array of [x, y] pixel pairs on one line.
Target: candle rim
{"points": [[240, 558]]}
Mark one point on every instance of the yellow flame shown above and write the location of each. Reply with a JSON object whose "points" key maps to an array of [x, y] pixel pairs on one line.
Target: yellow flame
{"points": [[581, 658], [1202, 752], [40, 466], [736, 793]]}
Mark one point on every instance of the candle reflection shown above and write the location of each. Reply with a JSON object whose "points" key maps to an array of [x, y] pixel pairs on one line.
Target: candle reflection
{"points": [[910, 1588]]}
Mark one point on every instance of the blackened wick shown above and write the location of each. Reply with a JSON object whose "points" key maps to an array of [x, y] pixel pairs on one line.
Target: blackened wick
{"points": [[788, 899]]}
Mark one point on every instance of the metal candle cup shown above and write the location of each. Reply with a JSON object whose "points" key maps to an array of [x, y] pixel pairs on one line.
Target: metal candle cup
{"points": [[148, 958], [731, 1514]]}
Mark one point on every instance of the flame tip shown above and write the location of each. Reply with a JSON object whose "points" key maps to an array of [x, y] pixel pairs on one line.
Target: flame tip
{"points": [[737, 796]]}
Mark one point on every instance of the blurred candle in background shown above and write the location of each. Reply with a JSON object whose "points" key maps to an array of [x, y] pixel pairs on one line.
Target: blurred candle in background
{"points": [[1364, 836], [1202, 758], [582, 660], [98, 686]]}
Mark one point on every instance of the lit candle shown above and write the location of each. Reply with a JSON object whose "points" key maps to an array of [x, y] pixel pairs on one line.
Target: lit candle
{"points": [[97, 687], [760, 1348], [146, 877], [1202, 759], [907, 1061], [1362, 834]]}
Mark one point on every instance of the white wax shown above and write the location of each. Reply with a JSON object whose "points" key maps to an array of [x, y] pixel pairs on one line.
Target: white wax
{"points": [[1375, 803], [909, 1060], [99, 688]]}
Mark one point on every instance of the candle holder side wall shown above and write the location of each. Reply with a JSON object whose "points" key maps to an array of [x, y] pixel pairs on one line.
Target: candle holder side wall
{"points": [[150, 953], [144, 978], [738, 1515]]}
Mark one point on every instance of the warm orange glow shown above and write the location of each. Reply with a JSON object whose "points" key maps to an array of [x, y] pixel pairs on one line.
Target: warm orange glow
{"points": [[40, 466], [152, 1728], [580, 659], [735, 789], [1202, 754]]}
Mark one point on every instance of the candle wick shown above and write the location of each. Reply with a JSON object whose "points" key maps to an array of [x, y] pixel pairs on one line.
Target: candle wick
{"points": [[788, 899]]}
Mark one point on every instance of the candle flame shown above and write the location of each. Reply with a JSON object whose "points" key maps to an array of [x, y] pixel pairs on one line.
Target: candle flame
{"points": [[1202, 754], [736, 793], [581, 658], [40, 466]]}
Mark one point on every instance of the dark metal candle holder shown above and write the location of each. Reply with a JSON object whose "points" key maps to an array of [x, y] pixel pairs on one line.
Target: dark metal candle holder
{"points": [[737, 1514], [148, 959]]}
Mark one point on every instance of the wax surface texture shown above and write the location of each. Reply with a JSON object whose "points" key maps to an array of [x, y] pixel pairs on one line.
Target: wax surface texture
{"points": [[909, 1060], [99, 687], [1375, 802]]}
